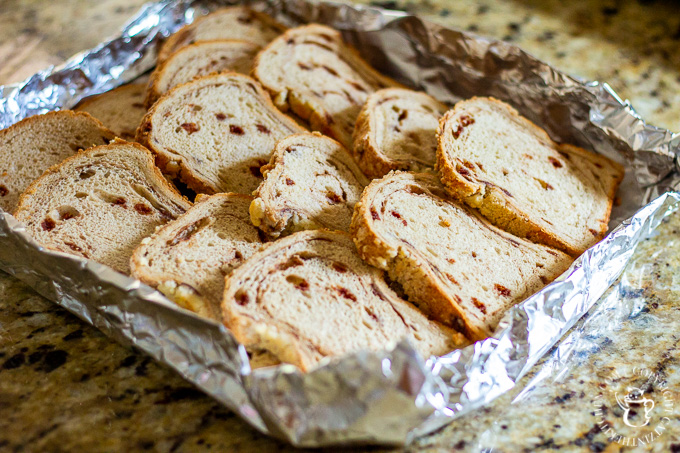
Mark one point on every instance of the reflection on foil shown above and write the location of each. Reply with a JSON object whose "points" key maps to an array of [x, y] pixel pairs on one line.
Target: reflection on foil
{"points": [[387, 397]]}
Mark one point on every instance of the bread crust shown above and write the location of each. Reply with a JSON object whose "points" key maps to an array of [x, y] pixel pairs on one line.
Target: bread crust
{"points": [[82, 105], [371, 158], [495, 204], [379, 253], [421, 279], [16, 129], [174, 42], [246, 313], [158, 176], [153, 92], [185, 172], [156, 181], [37, 118], [125, 134], [179, 291], [286, 99]]}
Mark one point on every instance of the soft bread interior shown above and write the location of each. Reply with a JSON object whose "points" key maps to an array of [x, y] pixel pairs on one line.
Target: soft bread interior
{"points": [[200, 59], [236, 22], [309, 296], [396, 130], [311, 71], [450, 262], [187, 259], [500, 163], [33, 145], [215, 133], [311, 182], [100, 204]]}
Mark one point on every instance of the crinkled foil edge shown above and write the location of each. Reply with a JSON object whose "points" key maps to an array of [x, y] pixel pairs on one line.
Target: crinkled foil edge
{"points": [[387, 397]]}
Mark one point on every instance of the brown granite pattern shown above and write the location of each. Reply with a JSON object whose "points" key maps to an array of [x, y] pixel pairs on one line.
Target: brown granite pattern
{"points": [[66, 387]]}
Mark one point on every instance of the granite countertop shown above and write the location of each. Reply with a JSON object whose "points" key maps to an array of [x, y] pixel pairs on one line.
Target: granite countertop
{"points": [[64, 386]]}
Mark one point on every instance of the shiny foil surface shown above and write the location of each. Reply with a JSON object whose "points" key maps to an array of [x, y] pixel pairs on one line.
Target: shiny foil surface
{"points": [[387, 397]]}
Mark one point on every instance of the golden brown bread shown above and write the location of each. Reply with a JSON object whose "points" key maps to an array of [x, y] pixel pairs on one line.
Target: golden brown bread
{"points": [[214, 133], [450, 261], [499, 162], [100, 203], [309, 296], [311, 71]]}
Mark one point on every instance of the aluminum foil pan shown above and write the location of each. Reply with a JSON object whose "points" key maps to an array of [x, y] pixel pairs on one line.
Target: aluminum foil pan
{"points": [[387, 397]]}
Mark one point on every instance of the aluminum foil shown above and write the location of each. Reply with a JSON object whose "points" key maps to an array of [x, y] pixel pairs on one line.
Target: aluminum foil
{"points": [[387, 397]]}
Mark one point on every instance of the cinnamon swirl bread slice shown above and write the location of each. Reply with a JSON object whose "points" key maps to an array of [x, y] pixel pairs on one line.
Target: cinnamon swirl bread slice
{"points": [[214, 133], [100, 203], [235, 22], [33, 145], [309, 296], [188, 258], [396, 130], [452, 263], [312, 72], [311, 182], [200, 59], [499, 162]]}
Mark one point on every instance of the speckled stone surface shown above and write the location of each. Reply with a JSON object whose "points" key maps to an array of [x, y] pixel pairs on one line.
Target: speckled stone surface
{"points": [[66, 387]]}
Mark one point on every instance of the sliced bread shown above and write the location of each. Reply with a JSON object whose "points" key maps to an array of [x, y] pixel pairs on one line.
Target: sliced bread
{"points": [[199, 59], [100, 203], [311, 182], [236, 22], [188, 258], [452, 263], [396, 130], [33, 145], [499, 162], [309, 296], [312, 72], [215, 132], [120, 109]]}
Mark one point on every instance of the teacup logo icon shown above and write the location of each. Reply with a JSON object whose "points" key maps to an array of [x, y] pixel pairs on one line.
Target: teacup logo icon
{"points": [[643, 418], [635, 398]]}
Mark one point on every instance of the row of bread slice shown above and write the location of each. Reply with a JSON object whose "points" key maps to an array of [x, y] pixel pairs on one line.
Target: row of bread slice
{"points": [[311, 72], [227, 40], [334, 195], [102, 202], [303, 298], [224, 40], [96, 196], [215, 132], [111, 204]]}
